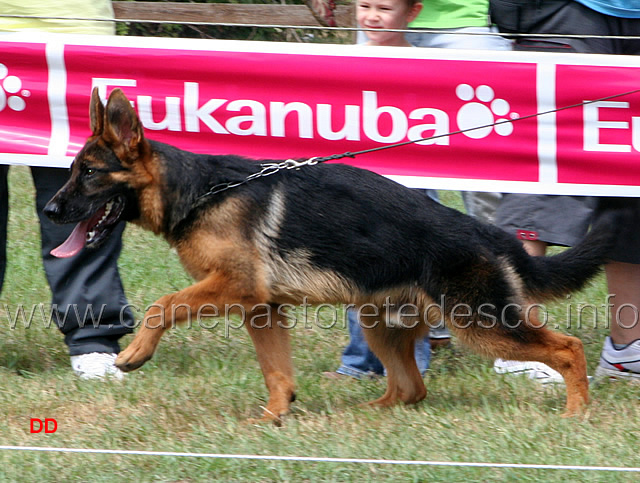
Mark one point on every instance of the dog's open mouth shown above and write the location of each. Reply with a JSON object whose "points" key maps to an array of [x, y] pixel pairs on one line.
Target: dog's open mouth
{"points": [[92, 231]]}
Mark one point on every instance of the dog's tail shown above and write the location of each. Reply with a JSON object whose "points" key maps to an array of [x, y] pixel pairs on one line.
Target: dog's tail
{"points": [[558, 275]]}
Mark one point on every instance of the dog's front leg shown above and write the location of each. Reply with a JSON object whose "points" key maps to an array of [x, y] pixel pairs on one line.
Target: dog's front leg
{"points": [[269, 332], [146, 340], [213, 294]]}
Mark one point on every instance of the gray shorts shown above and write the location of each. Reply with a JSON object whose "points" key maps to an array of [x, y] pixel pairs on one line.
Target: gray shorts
{"points": [[556, 220], [564, 221], [564, 17]]}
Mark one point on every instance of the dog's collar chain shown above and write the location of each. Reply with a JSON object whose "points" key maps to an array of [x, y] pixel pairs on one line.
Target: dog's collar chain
{"points": [[267, 170]]}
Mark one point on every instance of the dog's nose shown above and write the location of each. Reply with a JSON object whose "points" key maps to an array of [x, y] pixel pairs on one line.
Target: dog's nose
{"points": [[51, 209]]}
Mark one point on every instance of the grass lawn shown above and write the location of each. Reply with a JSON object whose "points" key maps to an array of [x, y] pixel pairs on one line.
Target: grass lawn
{"points": [[202, 385]]}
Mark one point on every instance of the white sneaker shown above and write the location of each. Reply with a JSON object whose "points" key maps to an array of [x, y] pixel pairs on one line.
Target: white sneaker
{"points": [[537, 371], [619, 363], [96, 365]]}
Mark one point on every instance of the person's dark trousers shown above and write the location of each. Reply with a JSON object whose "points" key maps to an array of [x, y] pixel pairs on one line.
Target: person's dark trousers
{"points": [[92, 310], [567, 17]]}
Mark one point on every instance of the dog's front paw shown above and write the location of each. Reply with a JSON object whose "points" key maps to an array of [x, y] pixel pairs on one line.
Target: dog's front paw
{"points": [[269, 417], [131, 359], [264, 421]]}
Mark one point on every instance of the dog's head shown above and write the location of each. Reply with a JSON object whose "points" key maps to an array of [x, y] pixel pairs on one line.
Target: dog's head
{"points": [[105, 175]]}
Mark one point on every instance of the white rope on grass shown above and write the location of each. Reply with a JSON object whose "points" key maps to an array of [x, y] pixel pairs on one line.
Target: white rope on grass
{"points": [[312, 459]]}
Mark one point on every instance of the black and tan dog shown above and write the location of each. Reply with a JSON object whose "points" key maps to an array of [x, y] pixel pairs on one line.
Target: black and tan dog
{"points": [[324, 233]]}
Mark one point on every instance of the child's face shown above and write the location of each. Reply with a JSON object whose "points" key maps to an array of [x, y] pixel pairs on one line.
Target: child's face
{"points": [[386, 14]]}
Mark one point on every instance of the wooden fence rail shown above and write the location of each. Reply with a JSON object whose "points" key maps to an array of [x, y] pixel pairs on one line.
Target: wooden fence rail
{"points": [[234, 13]]}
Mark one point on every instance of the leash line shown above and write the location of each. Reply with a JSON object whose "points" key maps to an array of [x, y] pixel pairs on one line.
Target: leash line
{"points": [[484, 126], [312, 459], [269, 169]]}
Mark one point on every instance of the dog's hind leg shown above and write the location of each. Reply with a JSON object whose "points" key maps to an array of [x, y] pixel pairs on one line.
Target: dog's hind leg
{"points": [[270, 335], [529, 340], [563, 353], [395, 349]]}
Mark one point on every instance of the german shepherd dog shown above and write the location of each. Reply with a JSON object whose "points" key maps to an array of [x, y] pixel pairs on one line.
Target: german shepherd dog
{"points": [[328, 233]]}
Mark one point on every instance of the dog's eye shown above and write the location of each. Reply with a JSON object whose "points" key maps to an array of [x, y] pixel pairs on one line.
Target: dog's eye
{"points": [[90, 171]]}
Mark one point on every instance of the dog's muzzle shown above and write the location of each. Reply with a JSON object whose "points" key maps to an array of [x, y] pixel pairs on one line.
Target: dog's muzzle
{"points": [[90, 232]]}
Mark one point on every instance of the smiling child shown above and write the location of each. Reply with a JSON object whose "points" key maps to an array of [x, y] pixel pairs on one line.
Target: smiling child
{"points": [[387, 14]]}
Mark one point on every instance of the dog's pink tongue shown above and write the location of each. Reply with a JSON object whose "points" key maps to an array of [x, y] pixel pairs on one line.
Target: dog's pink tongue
{"points": [[74, 243]]}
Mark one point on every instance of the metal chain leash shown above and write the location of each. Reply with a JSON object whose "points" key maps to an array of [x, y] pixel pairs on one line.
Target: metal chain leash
{"points": [[267, 170]]}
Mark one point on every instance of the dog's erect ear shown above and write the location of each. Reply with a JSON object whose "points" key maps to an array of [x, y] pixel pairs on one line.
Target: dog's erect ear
{"points": [[96, 113], [122, 128]]}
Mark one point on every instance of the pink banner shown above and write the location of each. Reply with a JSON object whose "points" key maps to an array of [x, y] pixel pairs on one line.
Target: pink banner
{"points": [[25, 123], [278, 101]]}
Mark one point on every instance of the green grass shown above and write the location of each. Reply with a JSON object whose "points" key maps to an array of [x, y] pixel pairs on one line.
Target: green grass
{"points": [[201, 387]]}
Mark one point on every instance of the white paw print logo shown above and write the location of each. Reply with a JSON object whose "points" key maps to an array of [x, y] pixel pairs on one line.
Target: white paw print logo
{"points": [[11, 91], [481, 109]]}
